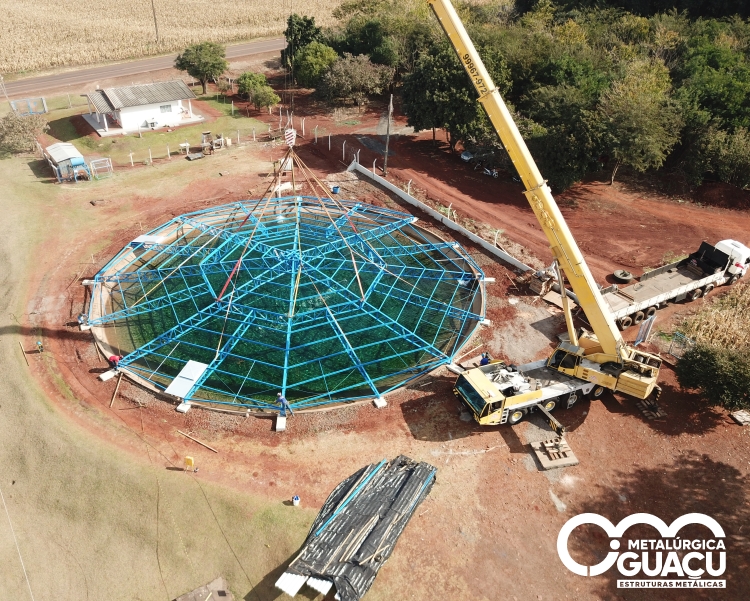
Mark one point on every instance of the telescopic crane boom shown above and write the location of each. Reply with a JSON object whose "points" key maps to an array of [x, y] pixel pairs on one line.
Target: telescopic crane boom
{"points": [[609, 361]]}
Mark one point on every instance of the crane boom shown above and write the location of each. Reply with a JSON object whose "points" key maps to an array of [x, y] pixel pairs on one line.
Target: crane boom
{"points": [[563, 245]]}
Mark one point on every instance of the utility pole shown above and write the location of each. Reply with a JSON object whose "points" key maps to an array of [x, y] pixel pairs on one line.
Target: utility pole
{"points": [[2, 87], [156, 25], [387, 136]]}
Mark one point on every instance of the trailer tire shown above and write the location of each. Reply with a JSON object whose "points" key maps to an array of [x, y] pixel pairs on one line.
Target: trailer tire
{"points": [[638, 317], [707, 288], [695, 294], [596, 392], [650, 311], [733, 279], [515, 416], [622, 276], [624, 322]]}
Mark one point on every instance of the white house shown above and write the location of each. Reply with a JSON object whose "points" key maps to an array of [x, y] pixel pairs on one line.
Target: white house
{"points": [[133, 108]]}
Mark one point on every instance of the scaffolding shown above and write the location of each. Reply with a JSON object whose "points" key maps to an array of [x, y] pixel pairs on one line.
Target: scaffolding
{"points": [[326, 301]]}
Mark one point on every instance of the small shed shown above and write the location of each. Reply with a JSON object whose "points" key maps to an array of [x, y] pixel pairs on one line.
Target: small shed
{"points": [[67, 163], [149, 106]]}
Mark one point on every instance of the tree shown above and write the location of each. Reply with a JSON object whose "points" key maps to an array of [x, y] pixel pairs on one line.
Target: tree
{"points": [[722, 376], [717, 79], [19, 134], [355, 78], [300, 31], [203, 61], [248, 81], [311, 62], [565, 146], [370, 36], [638, 122], [264, 96], [438, 93], [254, 87]]}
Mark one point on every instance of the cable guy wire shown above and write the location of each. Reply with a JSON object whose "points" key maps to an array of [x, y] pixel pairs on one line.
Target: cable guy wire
{"points": [[15, 540]]}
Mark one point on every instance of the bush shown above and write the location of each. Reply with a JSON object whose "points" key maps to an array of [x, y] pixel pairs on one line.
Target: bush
{"points": [[247, 82], [721, 375], [264, 97], [19, 134], [311, 63], [355, 78]]}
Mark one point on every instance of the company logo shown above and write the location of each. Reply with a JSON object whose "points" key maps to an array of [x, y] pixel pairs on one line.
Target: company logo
{"points": [[684, 560]]}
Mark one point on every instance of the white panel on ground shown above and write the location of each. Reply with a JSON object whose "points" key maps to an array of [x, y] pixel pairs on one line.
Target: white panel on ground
{"points": [[147, 239], [185, 380], [322, 586], [290, 583], [107, 375]]}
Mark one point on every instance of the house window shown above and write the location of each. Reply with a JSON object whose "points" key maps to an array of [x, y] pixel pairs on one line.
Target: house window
{"points": [[166, 108]]}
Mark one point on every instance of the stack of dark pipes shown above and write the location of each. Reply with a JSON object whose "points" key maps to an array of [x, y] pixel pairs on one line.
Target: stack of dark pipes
{"points": [[359, 524]]}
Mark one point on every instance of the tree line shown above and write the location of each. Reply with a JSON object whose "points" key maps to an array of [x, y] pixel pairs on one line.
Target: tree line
{"points": [[651, 84]]}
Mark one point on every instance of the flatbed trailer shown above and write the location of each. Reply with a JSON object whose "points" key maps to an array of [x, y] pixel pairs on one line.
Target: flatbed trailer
{"points": [[689, 278], [498, 393]]}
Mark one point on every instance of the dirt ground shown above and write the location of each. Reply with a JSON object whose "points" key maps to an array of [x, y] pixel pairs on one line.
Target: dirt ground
{"points": [[487, 531]]}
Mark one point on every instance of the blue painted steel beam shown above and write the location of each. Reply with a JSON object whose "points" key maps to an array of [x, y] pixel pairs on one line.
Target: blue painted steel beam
{"points": [[386, 320]]}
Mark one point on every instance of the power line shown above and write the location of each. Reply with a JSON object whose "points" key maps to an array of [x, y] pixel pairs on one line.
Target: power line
{"points": [[13, 532]]}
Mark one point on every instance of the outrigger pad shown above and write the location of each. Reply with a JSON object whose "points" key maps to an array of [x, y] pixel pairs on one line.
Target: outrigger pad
{"points": [[650, 409], [741, 416], [554, 453], [280, 423]]}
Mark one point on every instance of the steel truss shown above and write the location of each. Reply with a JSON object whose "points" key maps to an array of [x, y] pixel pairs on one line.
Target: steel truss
{"points": [[326, 301]]}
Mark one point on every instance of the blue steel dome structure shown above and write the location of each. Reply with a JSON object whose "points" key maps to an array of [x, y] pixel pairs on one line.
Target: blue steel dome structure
{"points": [[324, 300]]}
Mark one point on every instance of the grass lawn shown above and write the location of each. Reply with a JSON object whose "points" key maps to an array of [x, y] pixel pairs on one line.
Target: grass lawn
{"points": [[91, 521]]}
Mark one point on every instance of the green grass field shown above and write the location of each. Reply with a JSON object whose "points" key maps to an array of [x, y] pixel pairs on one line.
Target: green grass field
{"points": [[93, 522]]}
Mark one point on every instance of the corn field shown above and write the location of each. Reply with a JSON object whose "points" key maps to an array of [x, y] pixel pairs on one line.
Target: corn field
{"points": [[44, 34], [724, 322]]}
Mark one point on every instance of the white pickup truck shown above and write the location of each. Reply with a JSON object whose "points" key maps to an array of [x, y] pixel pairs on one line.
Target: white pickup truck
{"points": [[689, 278]]}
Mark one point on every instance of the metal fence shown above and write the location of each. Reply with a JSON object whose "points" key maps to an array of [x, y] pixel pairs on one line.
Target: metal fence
{"points": [[679, 344]]}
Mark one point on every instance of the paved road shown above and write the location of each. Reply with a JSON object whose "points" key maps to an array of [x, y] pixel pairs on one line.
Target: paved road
{"points": [[37, 85]]}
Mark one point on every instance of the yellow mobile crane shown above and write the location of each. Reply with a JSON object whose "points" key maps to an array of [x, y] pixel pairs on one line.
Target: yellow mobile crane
{"points": [[588, 363]]}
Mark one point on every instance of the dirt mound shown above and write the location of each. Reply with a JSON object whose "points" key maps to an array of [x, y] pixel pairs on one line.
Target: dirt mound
{"points": [[718, 194]]}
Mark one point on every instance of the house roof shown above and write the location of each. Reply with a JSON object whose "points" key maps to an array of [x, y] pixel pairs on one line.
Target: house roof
{"points": [[112, 99], [63, 151]]}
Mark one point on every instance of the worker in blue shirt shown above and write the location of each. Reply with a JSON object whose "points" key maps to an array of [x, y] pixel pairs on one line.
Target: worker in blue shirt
{"points": [[284, 405], [485, 360]]}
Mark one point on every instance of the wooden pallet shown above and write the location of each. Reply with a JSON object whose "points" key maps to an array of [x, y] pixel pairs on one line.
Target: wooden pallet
{"points": [[741, 416], [554, 453], [650, 409]]}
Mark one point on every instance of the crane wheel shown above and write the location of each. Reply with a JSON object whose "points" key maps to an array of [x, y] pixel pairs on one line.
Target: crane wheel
{"points": [[733, 279], [596, 392], [624, 322], [550, 405], [516, 416], [650, 311], [707, 288], [638, 317], [695, 294]]}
